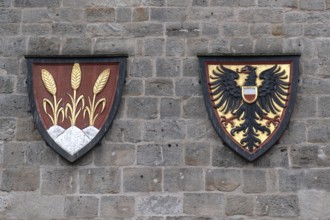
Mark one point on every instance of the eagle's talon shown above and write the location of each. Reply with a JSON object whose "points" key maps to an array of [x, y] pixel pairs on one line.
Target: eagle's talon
{"points": [[275, 121], [225, 121]]}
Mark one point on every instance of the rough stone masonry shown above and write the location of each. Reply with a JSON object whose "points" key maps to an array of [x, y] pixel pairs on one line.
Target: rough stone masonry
{"points": [[162, 160]]}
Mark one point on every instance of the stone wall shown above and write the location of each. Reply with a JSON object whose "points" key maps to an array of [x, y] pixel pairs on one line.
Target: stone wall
{"points": [[162, 160]]}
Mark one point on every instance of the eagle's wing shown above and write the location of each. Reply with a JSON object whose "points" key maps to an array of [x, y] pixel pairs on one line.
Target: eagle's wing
{"points": [[224, 90], [274, 91]]}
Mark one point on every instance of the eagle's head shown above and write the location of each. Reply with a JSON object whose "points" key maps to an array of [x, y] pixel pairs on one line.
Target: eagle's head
{"points": [[248, 69]]}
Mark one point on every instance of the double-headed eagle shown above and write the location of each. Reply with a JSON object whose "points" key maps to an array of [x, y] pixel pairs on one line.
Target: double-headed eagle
{"points": [[250, 104]]}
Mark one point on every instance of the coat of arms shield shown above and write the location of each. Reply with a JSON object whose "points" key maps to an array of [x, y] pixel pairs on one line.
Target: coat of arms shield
{"points": [[74, 100], [249, 99]]}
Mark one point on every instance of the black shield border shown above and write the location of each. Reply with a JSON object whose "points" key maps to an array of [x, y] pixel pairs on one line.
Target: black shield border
{"points": [[203, 59], [121, 59]]}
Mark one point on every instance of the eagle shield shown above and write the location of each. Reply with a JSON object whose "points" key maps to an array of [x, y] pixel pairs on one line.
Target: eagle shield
{"points": [[74, 100], [249, 99]]}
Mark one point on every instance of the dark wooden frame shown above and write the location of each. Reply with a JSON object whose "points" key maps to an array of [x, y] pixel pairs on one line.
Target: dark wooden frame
{"points": [[121, 59], [242, 59]]}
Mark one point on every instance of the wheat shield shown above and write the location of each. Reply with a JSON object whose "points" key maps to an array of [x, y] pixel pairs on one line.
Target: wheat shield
{"points": [[74, 100]]}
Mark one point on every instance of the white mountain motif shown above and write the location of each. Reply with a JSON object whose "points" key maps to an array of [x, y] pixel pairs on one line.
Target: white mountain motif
{"points": [[72, 139]]}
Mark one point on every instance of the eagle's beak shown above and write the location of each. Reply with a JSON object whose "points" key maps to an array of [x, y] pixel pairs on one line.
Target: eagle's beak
{"points": [[245, 70]]}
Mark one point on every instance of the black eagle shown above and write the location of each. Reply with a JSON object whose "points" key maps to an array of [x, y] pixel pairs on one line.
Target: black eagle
{"points": [[227, 96]]}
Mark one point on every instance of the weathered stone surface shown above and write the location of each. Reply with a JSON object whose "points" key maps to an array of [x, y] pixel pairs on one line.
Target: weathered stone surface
{"points": [[59, 181], [7, 129], [159, 205], [314, 204], [194, 107], [10, 15], [201, 130], [99, 181], [159, 87], [36, 30], [117, 46], [13, 46], [185, 179], [277, 156], [290, 180], [9, 29], [38, 153], [310, 155], [225, 157], [175, 47], [20, 179], [140, 14], [77, 46], [167, 67], [142, 179], [123, 14], [170, 108], [125, 131], [277, 205], [164, 130], [44, 46], [36, 15], [36, 3], [197, 154], [160, 154], [26, 130], [100, 14], [81, 206], [209, 204], [226, 180], [317, 179], [154, 47], [254, 181], [143, 108], [261, 15], [312, 5], [265, 45], [240, 205], [182, 29], [14, 154], [141, 67], [110, 154], [143, 29], [117, 206], [174, 14], [188, 87]]}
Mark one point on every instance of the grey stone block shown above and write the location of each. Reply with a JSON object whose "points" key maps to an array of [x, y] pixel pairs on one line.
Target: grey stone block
{"points": [[142, 179], [143, 108], [123, 14], [59, 181], [190, 67], [277, 156], [211, 14], [36, 3], [306, 107], [143, 29], [69, 29], [233, 3], [241, 45], [254, 181], [110, 154], [9, 66], [133, 87], [154, 46], [240, 205], [269, 45], [14, 154], [260, 30], [141, 67], [166, 130], [175, 47], [81, 206], [9, 29], [197, 154], [77, 46], [103, 30], [170, 108], [44, 46], [125, 131], [60, 15], [197, 46], [14, 106], [194, 108], [159, 205], [20, 179], [160, 155], [118, 46], [12, 47], [159, 87], [7, 83], [168, 67], [310, 155], [99, 181], [5, 3], [154, 2], [277, 205], [184, 179], [188, 87], [36, 15], [36, 30], [182, 3], [37, 153], [185, 29], [226, 180], [175, 14], [140, 14], [117, 206], [201, 130], [10, 15], [204, 204], [261, 15], [200, 3], [219, 45], [323, 47], [32, 206], [316, 30], [317, 179], [290, 180], [312, 5], [100, 14], [314, 204], [225, 157], [86, 160], [295, 133], [278, 3], [7, 129], [209, 29], [314, 85]]}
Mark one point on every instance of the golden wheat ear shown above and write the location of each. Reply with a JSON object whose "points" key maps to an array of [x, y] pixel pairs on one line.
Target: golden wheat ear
{"points": [[48, 81], [101, 81], [75, 76]]}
